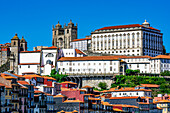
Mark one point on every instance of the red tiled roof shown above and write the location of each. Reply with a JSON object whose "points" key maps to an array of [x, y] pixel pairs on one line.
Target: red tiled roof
{"points": [[90, 58], [125, 26], [52, 47], [162, 57], [135, 97], [87, 58], [31, 51], [127, 89], [29, 64], [78, 51], [23, 82], [150, 85], [38, 91], [81, 39], [86, 87]]}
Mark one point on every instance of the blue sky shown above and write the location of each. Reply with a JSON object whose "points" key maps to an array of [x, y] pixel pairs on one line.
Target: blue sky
{"points": [[33, 19]]}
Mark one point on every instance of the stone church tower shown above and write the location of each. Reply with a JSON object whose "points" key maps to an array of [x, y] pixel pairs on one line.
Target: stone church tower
{"points": [[14, 56], [63, 36], [23, 44], [17, 45]]}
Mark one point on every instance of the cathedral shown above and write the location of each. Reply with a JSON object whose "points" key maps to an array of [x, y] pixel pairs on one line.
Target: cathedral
{"points": [[62, 36]]}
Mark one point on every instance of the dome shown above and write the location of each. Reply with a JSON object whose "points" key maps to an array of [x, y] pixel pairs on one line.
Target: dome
{"points": [[22, 39], [15, 37], [58, 25], [145, 23], [70, 23]]}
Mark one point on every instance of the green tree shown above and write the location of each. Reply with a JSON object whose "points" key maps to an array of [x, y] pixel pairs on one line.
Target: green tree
{"points": [[165, 73], [59, 77], [102, 85]]}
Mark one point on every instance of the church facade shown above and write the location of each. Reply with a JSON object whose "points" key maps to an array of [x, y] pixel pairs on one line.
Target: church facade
{"points": [[62, 36]]}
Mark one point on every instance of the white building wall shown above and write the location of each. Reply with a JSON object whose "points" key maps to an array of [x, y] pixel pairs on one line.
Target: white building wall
{"points": [[45, 56], [79, 67], [69, 52], [27, 68], [29, 57], [131, 93], [142, 64], [119, 43]]}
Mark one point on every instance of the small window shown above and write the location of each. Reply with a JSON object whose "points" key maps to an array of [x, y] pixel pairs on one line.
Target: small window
{"points": [[67, 31], [28, 66]]}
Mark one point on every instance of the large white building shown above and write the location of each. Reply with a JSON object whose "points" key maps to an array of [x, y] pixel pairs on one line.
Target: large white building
{"points": [[113, 64], [134, 39], [130, 92], [83, 44], [43, 61]]}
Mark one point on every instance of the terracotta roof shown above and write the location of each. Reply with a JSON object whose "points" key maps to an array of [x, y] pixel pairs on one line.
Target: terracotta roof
{"points": [[29, 64], [86, 86], [2, 84], [143, 103], [125, 26], [125, 105], [36, 95], [92, 58], [35, 87], [162, 101], [9, 87], [31, 76], [73, 101], [23, 82], [59, 95], [31, 51], [75, 40], [127, 89], [162, 57], [90, 98], [87, 58], [68, 82], [135, 97], [78, 51], [150, 85], [52, 47], [38, 91], [24, 87], [51, 78]]}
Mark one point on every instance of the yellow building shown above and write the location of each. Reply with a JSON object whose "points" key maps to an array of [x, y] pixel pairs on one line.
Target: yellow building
{"points": [[164, 104]]}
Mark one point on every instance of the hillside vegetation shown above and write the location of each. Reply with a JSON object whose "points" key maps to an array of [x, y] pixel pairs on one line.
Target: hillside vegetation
{"points": [[132, 81]]}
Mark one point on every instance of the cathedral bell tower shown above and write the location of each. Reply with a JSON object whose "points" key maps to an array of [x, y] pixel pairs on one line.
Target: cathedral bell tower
{"points": [[63, 36], [14, 56], [23, 44]]}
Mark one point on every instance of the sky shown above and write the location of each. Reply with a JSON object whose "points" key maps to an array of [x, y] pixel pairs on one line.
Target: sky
{"points": [[33, 19]]}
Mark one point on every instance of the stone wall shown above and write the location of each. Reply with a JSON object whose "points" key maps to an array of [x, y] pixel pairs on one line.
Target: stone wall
{"points": [[94, 81]]}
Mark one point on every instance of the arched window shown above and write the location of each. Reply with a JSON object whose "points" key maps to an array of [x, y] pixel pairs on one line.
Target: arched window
{"points": [[60, 41], [48, 62], [14, 43], [49, 55]]}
